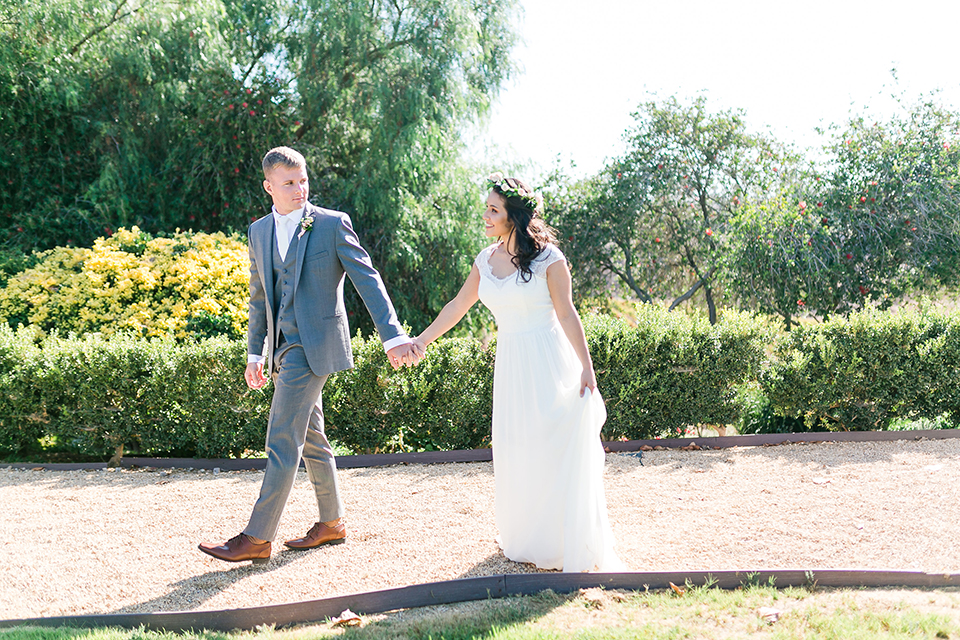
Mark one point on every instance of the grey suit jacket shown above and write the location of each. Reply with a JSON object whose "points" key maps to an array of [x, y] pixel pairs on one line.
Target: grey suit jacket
{"points": [[325, 253]]}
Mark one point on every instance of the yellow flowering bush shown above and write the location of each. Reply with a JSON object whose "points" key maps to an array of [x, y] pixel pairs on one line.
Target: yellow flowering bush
{"points": [[186, 285]]}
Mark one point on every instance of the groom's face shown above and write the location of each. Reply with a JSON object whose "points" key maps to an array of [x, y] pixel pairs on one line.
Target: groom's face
{"points": [[289, 187]]}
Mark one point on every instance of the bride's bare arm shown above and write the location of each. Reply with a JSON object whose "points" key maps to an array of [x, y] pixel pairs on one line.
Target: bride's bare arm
{"points": [[452, 312], [561, 292]]}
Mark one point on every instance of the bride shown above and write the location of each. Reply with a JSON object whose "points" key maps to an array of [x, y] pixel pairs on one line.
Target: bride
{"points": [[547, 413]]}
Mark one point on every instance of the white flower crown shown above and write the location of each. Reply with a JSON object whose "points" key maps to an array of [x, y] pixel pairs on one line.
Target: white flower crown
{"points": [[510, 188]]}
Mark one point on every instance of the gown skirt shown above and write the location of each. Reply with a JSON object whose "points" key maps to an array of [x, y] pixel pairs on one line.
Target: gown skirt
{"points": [[547, 456]]}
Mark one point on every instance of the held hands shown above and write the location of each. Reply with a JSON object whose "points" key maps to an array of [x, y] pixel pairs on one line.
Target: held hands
{"points": [[254, 375], [403, 355], [419, 346]]}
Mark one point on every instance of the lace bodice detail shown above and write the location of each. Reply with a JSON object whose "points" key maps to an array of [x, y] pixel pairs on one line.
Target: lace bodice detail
{"points": [[547, 257], [519, 306]]}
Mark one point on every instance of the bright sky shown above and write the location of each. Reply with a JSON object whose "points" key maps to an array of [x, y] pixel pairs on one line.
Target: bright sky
{"points": [[792, 66]]}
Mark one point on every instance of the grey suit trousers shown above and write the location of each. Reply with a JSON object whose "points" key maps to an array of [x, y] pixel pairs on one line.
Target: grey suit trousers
{"points": [[295, 429]]}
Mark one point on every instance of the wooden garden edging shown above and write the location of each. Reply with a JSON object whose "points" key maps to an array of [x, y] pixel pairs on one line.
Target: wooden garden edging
{"points": [[485, 455], [483, 588]]}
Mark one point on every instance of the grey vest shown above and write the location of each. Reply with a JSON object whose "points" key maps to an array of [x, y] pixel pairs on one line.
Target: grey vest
{"points": [[283, 274]]}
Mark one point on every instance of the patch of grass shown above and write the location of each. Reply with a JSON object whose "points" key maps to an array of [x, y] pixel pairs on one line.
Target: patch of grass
{"points": [[699, 612]]}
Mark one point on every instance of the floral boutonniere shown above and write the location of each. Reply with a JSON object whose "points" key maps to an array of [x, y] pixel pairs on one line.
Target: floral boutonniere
{"points": [[306, 223]]}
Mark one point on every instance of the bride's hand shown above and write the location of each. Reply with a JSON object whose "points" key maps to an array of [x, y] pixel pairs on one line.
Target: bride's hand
{"points": [[419, 346], [588, 379]]}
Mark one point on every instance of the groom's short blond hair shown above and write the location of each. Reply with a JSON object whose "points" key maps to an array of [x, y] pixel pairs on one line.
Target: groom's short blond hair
{"points": [[282, 157]]}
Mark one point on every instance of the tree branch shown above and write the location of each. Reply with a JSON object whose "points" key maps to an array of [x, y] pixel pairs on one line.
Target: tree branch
{"points": [[115, 18], [686, 296], [263, 51], [626, 274]]}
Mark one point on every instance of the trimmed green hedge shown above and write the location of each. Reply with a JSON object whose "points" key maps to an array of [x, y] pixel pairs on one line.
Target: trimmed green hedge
{"points": [[863, 372], [444, 403], [672, 370], [91, 395], [88, 396]]}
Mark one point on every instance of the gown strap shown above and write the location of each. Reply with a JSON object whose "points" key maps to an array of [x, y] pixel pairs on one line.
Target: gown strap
{"points": [[482, 261], [550, 254]]}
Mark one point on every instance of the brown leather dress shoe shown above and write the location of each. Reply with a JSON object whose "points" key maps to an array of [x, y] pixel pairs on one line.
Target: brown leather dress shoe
{"points": [[238, 549], [318, 535]]}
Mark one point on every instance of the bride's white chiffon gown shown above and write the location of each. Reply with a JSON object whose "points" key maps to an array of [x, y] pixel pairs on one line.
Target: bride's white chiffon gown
{"points": [[547, 456]]}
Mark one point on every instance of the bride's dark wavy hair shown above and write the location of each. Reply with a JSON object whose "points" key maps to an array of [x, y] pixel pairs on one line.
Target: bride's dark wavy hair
{"points": [[532, 233]]}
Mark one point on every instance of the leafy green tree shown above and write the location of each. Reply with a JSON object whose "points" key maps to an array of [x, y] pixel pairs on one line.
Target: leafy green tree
{"points": [[882, 221], [781, 258], [156, 113], [656, 219], [891, 203]]}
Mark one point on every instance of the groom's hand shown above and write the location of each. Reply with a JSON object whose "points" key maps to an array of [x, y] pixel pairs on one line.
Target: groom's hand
{"points": [[403, 355], [254, 375]]}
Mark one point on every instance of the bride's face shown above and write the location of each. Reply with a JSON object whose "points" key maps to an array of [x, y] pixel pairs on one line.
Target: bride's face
{"points": [[495, 217]]}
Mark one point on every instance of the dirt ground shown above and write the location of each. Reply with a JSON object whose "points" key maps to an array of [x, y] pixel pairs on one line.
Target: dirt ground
{"points": [[124, 541]]}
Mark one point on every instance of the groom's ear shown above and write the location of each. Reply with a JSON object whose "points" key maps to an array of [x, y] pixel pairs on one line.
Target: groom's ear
{"points": [[267, 186]]}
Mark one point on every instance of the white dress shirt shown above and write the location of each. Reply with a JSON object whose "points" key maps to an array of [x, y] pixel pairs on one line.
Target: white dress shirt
{"points": [[286, 226]]}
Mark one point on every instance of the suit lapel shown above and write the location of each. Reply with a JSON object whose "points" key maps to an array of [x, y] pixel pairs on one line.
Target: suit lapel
{"points": [[302, 246], [267, 240]]}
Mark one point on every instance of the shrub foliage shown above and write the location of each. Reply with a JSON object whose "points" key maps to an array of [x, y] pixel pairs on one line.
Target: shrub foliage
{"points": [[88, 396], [862, 373], [93, 395], [672, 370], [185, 285]]}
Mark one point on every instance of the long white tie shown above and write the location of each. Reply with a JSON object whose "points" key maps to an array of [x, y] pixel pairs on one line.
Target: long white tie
{"points": [[285, 236]]}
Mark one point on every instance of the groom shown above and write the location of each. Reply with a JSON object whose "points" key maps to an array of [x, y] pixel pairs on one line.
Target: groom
{"points": [[298, 257]]}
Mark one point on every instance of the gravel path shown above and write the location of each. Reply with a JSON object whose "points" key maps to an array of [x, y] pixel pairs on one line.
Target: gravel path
{"points": [[121, 541]]}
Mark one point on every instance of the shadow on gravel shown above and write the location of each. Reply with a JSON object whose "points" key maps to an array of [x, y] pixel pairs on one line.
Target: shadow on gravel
{"points": [[196, 590]]}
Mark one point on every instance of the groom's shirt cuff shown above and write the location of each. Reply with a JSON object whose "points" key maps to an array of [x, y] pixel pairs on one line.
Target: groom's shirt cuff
{"points": [[396, 342], [253, 358]]}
